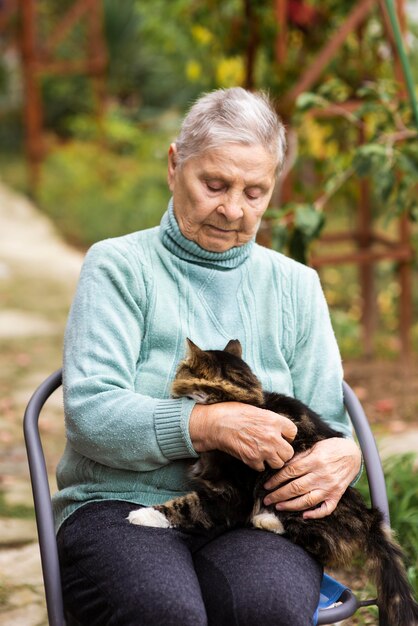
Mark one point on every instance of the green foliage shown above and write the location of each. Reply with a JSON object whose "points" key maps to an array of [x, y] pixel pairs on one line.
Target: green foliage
{"points": [[122, 25], [149, 47], [401, 475], [296, 235], [20, 511], [163, 54], [11, 134], [348, 332], [388, 154], [94, 190], [63, 95]]}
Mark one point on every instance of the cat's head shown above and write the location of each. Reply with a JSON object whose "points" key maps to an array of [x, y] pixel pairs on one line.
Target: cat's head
{"points": [[210, 376]]}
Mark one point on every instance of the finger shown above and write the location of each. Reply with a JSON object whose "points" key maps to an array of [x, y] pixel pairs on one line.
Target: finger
{"points": [[307, 501], [280, 456], [278, 479], [326, 508], [295, 468], [289, 429], [275, 462], [294, 489], [255, 464], [285, 451]]}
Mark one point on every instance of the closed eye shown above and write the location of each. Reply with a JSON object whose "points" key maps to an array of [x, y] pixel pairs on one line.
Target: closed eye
{"points": [[215, 187], [254, 193]]}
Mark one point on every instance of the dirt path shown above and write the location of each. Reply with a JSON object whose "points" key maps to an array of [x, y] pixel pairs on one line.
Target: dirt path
{"points": [[38, 274]]}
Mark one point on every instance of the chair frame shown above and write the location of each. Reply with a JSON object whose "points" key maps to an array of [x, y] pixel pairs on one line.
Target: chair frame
{"points": [[45, 520]]}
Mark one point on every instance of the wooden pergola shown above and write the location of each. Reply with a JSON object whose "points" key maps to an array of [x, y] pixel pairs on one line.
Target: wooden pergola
{"points": [[41, 58], [370, 247]]}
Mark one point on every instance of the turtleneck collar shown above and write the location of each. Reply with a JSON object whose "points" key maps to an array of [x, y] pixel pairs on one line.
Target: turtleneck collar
{"points": [[174, 240]]}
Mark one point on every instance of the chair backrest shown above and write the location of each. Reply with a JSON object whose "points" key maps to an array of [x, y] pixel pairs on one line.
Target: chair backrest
{"points": [[45, 520], [42, 500], [372, 463]]}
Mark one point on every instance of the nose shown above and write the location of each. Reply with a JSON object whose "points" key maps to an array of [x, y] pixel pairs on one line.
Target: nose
{"points": [[231, 208]]}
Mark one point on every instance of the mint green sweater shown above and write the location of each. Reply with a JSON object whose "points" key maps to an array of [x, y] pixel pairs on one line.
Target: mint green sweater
{"points": [[138, 298]]}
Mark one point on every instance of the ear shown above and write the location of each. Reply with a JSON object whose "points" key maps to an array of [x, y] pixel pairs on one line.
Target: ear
{"points": [[172, 165], [193, 349], [234, 347]]}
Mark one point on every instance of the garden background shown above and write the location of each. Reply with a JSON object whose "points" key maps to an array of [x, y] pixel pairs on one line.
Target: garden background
{"points": [[100, 171]]}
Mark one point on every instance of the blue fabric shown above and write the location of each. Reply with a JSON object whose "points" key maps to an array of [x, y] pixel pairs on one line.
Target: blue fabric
{"points": [[331, 591]]}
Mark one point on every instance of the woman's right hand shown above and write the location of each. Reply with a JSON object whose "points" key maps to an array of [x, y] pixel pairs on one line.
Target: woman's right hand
{"points": [[255, 436]]}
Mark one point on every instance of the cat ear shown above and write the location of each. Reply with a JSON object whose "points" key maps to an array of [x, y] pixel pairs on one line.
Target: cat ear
{"points": [[196, 356], [234, 347], [194, 350]]}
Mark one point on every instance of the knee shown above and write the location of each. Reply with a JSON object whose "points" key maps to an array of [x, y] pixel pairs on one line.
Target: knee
{"points": [[268, 606], [273, 612], [164, 608]]}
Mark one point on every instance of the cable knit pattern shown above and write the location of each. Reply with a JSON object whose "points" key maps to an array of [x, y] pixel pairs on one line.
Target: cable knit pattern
{"points": [[138, 298]]}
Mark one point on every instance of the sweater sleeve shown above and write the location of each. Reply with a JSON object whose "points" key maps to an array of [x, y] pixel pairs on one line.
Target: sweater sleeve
{"points": [[315, 365], [106, 419]]}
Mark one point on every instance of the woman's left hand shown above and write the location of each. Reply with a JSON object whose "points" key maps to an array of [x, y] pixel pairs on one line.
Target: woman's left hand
{"points": [[318, 476]]}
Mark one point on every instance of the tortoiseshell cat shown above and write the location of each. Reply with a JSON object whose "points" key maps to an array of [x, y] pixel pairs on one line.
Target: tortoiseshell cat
{"points": [[229, 493]]}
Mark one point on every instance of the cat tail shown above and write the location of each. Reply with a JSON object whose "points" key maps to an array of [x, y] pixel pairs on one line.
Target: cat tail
{"points": [[397, 606]]}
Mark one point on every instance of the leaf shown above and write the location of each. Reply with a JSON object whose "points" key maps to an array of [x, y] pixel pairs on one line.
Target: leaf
{"points": [[309, 221], [279, 236], [308, 100], [368, 156], [373, 150], [298, 247], [335, 89], [385, 184], [413, 213], [307, 227], [407, 164], [368, 90]]}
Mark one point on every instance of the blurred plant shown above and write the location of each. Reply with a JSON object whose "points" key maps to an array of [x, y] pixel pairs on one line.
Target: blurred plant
{"points": [[98, 189], [20, 511], [163, 54], [401, 476], [387, 157], [294, 227]]}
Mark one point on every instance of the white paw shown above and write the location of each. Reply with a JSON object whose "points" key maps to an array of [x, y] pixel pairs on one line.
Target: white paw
{"points": [[149, 517], [268, 521]]}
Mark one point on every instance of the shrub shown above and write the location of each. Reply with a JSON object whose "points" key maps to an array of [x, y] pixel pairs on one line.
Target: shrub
{"points": [[97, 190], [401, 474]]}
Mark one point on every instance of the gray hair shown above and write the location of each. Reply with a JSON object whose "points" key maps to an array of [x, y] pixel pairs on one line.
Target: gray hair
{"points": [[231, 116]]}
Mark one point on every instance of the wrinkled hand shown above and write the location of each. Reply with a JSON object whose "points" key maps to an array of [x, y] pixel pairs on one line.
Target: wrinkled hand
{"points": [[318, 476], [255, 436]]}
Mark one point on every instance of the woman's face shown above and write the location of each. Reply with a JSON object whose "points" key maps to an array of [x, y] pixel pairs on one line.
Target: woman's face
{"points": [[220, 196]]}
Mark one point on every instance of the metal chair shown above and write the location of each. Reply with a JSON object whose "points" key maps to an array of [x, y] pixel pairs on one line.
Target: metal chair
{"points": [[348, 603]]}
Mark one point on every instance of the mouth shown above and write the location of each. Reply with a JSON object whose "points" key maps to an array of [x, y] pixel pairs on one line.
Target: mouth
{"points": [[217, 229]]}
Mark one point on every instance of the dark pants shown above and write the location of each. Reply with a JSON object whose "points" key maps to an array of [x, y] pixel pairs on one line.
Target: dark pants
{"points": [[118, 574]]}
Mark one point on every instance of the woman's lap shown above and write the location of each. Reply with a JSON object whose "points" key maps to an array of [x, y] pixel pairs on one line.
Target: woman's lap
{"points": [[117, 573], [260, 578]]}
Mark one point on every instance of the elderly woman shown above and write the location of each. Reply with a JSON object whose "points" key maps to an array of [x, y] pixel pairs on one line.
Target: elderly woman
{"points": [[201, 275]]}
